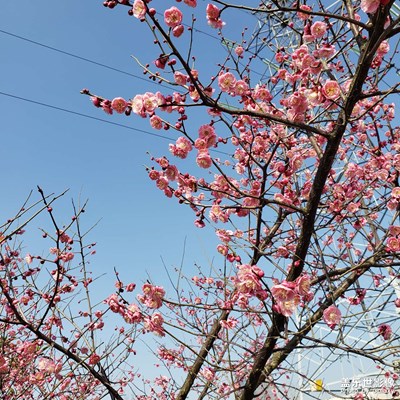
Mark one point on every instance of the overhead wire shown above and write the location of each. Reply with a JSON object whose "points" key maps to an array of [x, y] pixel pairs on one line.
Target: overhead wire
{"points": [[93, 118]]}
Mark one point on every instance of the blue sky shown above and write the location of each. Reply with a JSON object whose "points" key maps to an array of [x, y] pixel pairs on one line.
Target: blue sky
{"points": [[94, 160]]}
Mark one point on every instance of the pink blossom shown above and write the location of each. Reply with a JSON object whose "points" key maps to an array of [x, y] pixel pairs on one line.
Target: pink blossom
{"points": [[156, 122], [385, 331], [303, 285], [119, 105], [318, 29], [182, 147], [230, 323], [173, 17], [393, 244], [178, 30], [139, 9], [213, 13], [286, 298], [332, 316], [132, 314], [113, 303], [204, 159], [239, 50], [190, 3], [208, 373], [3, 365], [248, 279], [304, 16], [94, 359], [241, 88], [154, 324], [331, 90], [370, 6], [226, 82], [180, 78], [152, 295]]}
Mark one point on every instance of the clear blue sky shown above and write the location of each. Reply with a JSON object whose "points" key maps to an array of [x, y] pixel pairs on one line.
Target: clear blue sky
{"points": [[95, 160]]}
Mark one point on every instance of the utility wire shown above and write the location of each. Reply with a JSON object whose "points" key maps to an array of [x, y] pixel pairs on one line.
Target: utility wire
{"points": [[75, 56], [39, 103], [82, 115]]}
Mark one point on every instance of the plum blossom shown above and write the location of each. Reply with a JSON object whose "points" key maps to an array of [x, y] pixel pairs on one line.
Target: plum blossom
{"points": [[227, 82], [181, 148], [248, 280], [156, 122], [208, 373], [152, 295], [331, 90], [318, 29], [286, 298], [119, 105], [204, 159], [178, 30], [154, 324], [3, 365], [173, 17], [370, 6], [139, 9], [213, 19], [191, 3], [385, 331], [393, 244], [332, 316], [94, 359]]}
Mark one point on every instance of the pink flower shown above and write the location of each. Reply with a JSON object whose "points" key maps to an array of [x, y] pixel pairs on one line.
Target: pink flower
{"points": [[385, 331], [180, 78], [156, 122], [173, 17], [139, 9], [303, 285], [213, 13], [152, 295], [203, 159], [113, 303], [393, 244], [304, 16], [94, 359], [119, 105], [332, 316], [154, 324], [178, 30], [318, 29], [248, 279], [3, 365], [286, 298], [182, 147], [190, 3], [331, 90], [370, 6], [226, 82], [208, 373], [239, 50], [132, 314]]}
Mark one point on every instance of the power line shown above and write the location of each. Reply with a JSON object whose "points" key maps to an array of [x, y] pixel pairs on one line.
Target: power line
{"points": [[94, 118], [83, 115], [75, 56]]}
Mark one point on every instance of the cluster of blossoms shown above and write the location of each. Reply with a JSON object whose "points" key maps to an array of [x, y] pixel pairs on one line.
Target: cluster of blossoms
{"points": [[393, 241], [287, 295], [248, 284], [152, 298]]}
